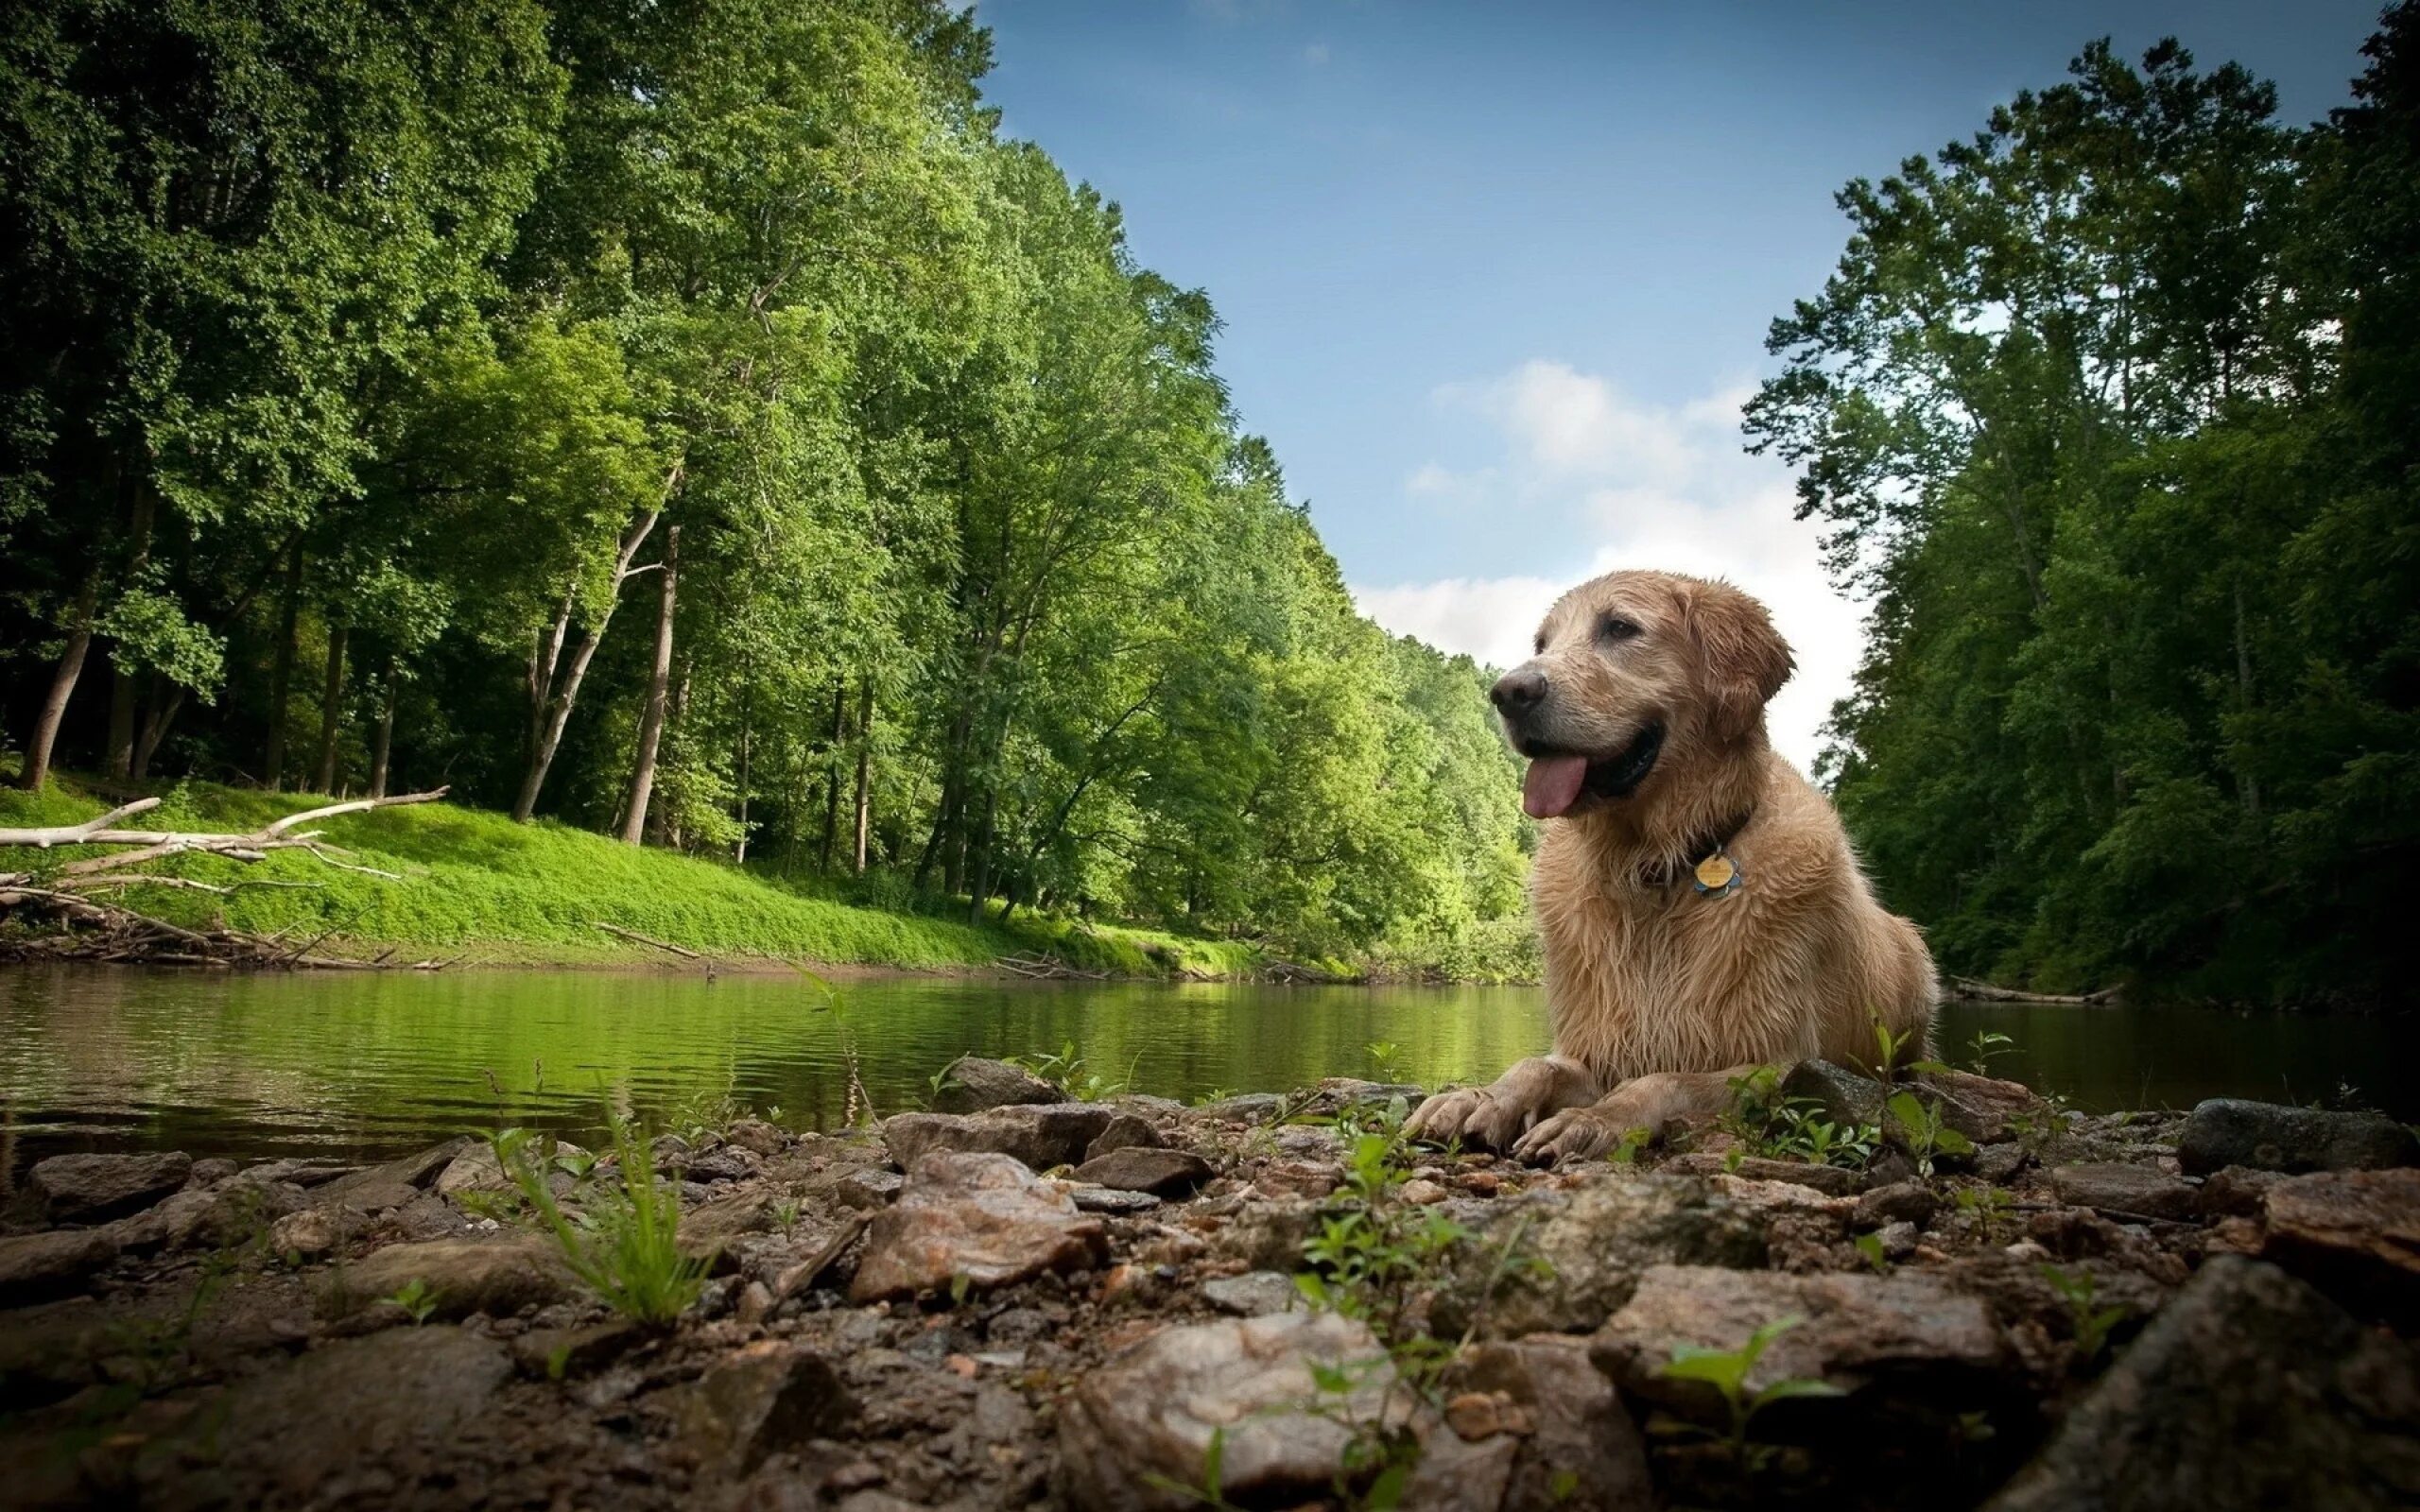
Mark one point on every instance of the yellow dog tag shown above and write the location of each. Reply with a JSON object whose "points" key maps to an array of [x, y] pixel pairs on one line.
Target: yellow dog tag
{"points": [[1717, 876]]}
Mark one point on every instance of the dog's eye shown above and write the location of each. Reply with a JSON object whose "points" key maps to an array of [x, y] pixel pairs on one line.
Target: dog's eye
{"points": [[1538, 645], [1615, 627]]}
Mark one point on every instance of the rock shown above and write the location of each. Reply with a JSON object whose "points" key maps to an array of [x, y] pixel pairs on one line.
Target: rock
{"points": [[1039, 1136], [1984, 1108], [1139, 1426], [1138, 1168], [211, 1171], [1251, 1108], [225, 1217], [983, 1216], [1594, 1242], [97, 1187], [1578, 1446], [1845, 1096], [2271, 1136], [299, 1432], [1422, 1193], [1829, 1180], [2356, 1235], [1110, 1201], [559, 1354], [2240, 1191], [1907, 1336], [37, 1266], [2249, 1390], [1270, 1235], [498, 1277], [871, 1188], [768, 1398], [1908, 1202], [396, 1183], [1125, 1132], [1253, 1294], [758, 1136], [2000, 1163], [2121, 1190], [311, 1234], [973, 1084], [727, 1162], [476, 1169], [708, 1232]]}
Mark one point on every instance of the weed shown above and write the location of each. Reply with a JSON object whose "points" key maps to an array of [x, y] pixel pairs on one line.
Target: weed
{"points": [[1634, 1140], [1890, 1048], [786, 1215], [417, 1298], [1990, 1207], [1986, 1046], [1770, 1124], [1870, 1246], [1383, 1054], [1727, 1371], [2089, 1322], [1922, 1131], [625, 1247]]}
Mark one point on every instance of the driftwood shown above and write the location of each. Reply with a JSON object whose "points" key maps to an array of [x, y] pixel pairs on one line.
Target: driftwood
{"points": [[1967, 989], [648, 939], [81, 898], [1047, 969]]}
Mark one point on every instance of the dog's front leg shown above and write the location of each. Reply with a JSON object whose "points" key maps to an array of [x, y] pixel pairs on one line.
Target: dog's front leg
{"points": [[1650, 1103], [1497, 1114]]}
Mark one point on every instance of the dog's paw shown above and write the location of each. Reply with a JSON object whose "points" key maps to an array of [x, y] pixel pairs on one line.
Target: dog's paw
{"points": [[1574, 1134], [1474, 1115]]}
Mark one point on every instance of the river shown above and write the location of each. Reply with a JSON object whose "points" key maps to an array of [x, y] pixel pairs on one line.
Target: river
{"points": [[363, 1064]]}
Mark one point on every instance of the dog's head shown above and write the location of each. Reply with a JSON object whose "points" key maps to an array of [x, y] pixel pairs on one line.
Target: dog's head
{"points": [[1631, 669]]}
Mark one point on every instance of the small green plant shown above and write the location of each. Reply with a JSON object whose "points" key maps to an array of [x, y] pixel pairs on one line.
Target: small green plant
{"points": [[417, 1298], [624, 1246], [1891, 1048], [1991, 1208], [2088, 1321], [1626, 1150], [1727, 1372], [1383, 1054], [1770, 1124], [1985, 1047], [941, 1081], [1870, 1246], [785, 1215], [1922, 1131]]}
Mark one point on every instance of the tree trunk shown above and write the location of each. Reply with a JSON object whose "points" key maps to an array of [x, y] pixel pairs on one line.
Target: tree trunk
{"points": [[865, 771], [832, 774], [659, 687], [62, 687], [331, 709], [159, 710], [120, 763], [282, 672], [747, 711], [2248, 780], [551, 705], [980, 862], [385, 743]]}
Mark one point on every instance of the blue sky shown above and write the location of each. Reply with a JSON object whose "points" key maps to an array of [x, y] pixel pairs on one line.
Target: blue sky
{"points": [[1495, 277]]}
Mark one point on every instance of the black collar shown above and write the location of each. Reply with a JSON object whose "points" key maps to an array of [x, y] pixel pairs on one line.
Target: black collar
{"points": [[1706, 843]]}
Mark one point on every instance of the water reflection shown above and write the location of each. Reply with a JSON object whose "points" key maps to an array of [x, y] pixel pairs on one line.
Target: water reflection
{"points": [[370, 1064]]}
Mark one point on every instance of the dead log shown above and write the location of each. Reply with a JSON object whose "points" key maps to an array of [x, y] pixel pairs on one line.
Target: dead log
{"points": [[1967, 990]]}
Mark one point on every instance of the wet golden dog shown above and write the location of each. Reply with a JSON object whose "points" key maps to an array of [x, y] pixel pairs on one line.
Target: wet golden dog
{"points": [[1701, 909]]}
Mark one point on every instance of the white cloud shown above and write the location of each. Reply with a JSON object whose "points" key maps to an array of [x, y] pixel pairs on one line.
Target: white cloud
{"points": [[1634, 485]]}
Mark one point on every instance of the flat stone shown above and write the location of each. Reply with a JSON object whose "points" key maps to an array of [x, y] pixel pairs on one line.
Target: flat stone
{"points": [[557, 1354], [2356, 1235], [1831, 1181], [2226, 1131], [1843, 1095], [2250, 1389], [34, 1267], [394, 1183], [1140, 1425], [869, 1188], [973, 1084], [1254, 1294], [1908, 1202], [983, 1216], [709, 1230], [1039, 1136], [758, 1137], [1125, 1131], [312, 1233], [1248, 1108], [1594, 1244], [1576, 1447], [2127, 1189], [1110, 1201], [498, 1277], [1907, 1337], [1984, 1108], [97, 1187], [1137, 1168], [768, 1398]]}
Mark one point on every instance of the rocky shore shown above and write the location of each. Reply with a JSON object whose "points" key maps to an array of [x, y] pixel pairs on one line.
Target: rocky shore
{"points": [[1977, 1298]]}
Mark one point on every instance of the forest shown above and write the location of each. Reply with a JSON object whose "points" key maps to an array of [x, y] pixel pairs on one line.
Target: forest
{"points": [[2113, 412], [696, 423]]}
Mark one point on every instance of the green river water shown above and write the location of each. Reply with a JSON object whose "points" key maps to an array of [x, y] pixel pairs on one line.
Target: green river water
{"points": [[369, 1064]]}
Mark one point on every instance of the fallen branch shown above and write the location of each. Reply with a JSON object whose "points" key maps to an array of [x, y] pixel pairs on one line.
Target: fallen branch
{"points": [[648, 939], [1047, 969], [1967, 989]]}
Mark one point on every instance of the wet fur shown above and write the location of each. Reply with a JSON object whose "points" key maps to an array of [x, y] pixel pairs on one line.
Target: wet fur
{"points": [[1659, 995]]}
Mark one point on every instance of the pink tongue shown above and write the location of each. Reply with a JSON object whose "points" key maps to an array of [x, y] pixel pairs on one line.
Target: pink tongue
{"points": [[1552, 785]]}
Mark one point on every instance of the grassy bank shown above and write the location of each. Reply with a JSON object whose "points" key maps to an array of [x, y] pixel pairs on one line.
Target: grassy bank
{"points": [[473, 883]]}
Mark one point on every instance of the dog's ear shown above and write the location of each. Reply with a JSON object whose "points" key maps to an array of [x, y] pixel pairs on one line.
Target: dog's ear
{"points": [[1746, 658]]}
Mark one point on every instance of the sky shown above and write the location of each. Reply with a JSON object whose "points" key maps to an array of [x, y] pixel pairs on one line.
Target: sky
{"points": [[1496, 278]]}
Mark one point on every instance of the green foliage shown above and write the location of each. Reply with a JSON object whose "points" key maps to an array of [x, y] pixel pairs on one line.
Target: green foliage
{"points": [[1918, 1128], [1727, 1372], [623, 1240], [2111, 409], [2088, 1322], [1774, 1127], [416, 1298], [1991, 1208]]}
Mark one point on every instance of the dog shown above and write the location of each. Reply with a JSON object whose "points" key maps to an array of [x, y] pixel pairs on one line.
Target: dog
{"points": [[1701, 909]]}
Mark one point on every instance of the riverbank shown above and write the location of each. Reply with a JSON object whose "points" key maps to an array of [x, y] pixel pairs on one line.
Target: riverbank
{"points": [[471, 887], [1270, 1300]]}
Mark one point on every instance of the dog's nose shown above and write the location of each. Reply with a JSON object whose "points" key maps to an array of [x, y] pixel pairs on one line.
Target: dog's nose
{"points": [[1518, 690]]}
